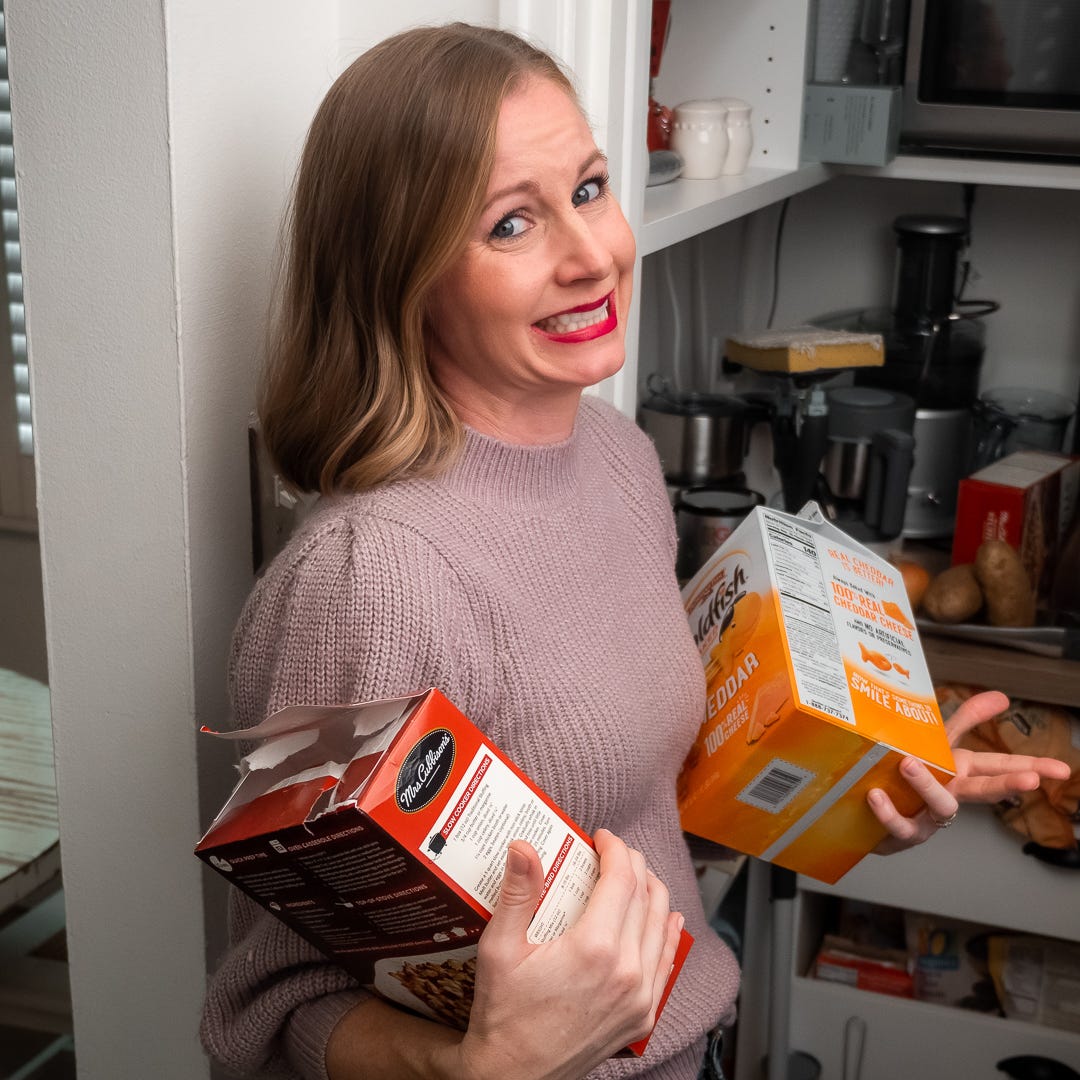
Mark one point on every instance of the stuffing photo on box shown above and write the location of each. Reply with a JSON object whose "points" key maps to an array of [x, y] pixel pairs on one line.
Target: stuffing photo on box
{"points": [[378, 832]]}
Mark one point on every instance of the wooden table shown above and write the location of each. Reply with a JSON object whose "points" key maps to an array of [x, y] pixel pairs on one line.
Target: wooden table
{"points": [[29, 834], [34, 990]]}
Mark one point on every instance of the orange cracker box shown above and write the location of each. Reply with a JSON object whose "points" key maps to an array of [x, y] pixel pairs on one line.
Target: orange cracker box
{"points": [[379, 831], [816, 687]]}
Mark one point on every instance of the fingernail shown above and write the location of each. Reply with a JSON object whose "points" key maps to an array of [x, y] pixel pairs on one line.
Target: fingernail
{"points": [[680, 922], [516, 862], [876, 797], [911, 767]]}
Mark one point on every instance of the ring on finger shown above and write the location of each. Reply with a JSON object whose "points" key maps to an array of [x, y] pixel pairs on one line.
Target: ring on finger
{"points": [[944, 823]]}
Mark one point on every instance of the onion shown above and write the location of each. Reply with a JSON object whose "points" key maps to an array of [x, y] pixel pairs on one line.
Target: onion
{"points": [[916, 578]]}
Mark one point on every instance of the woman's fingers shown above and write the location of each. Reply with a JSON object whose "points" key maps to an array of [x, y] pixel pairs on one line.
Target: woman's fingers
{"points": [[980, 777], [941, 803], [974, 711], [519, 894], [990, 777], [637, 904], [673, 926], [941, 807], [903, 831]]}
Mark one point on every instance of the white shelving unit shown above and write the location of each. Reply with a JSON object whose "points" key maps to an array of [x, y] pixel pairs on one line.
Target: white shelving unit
{"points": [[976, 872], [970, 872], [678, 211], [973, 171], [757, 50]]}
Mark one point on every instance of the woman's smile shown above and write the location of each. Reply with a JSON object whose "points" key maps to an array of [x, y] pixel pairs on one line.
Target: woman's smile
{"points": [[583, 323]]}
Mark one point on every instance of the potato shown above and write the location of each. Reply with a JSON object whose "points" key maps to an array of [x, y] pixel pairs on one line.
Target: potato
{"points": [[916, 579], [1007, 589], [953, 596]]}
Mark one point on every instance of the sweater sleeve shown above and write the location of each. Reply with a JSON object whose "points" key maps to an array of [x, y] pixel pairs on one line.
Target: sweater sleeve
{"points": [[356, 608]]}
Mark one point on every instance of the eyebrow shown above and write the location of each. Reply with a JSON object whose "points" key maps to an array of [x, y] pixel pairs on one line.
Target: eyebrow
{"points": [[531, 187]]}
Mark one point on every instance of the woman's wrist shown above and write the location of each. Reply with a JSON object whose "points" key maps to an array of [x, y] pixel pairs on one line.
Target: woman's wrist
{"points": [[378, 1041]]}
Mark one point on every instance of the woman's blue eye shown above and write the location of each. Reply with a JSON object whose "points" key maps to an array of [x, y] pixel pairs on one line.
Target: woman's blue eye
{"points": [[512, 225], [588, 191]]}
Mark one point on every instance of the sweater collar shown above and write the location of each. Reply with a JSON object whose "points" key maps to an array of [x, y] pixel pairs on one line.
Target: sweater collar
{"points": [[517, 475]]}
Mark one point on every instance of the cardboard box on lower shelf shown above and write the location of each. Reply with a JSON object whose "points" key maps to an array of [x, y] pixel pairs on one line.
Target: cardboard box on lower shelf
{"points": [[883, 971], [1026, 499]]}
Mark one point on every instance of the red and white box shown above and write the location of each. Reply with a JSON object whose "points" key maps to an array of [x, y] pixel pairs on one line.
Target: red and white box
{"points": [[378, 832], [1027, 499], [883, 971]]}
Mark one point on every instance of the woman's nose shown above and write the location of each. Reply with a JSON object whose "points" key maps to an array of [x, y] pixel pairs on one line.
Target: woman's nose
{"points": [[583, 253]]}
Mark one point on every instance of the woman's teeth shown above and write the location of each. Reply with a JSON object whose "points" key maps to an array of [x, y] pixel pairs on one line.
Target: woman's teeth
{"points": [[576, 320]]}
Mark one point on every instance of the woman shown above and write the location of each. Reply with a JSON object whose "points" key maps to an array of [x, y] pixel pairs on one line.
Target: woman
{"points": [[458, 273]]}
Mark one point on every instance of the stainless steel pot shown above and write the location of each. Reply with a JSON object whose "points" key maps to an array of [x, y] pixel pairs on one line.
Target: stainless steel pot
{"points": [[701, 438], [704, 518]]}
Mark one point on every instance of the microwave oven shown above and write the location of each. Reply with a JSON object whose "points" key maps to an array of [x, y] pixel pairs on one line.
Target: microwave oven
{"points": [[993, 76]]}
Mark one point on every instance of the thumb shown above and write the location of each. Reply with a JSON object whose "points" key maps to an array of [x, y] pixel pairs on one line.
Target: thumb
{"points": [[520, 891]]}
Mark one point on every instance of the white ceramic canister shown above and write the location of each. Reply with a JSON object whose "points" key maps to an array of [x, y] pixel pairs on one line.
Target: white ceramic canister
{"points": [[740, 135], [699, 137]]}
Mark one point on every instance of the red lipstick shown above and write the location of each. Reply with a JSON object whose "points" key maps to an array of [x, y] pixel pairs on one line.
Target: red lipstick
{"points": [[588, 333]]}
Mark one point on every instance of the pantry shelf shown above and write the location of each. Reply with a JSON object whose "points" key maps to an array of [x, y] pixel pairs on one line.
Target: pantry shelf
{"points": [[685, 208], [1018, 674], [913, 1038], [976, 871], [974, 171]]}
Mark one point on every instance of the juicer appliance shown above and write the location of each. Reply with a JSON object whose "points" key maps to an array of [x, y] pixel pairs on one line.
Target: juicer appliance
{"points": [[934, 344]]}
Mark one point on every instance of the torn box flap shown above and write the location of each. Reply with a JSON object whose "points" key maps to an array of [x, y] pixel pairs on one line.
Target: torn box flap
{"points": [[812, 513], [303, 742], [365, 718]]}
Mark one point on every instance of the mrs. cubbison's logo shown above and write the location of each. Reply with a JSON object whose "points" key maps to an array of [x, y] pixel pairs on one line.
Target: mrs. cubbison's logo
{"points": [[425, 770]]}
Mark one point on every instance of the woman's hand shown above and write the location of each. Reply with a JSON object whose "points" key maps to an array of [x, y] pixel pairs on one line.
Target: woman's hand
{"points": [[980, 777], [558, 1009]]}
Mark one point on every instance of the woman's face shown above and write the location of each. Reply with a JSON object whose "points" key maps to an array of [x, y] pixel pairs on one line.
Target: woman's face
{"points": [[535, 307]]}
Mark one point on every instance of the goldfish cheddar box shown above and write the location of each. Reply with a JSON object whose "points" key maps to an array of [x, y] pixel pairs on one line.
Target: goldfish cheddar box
{"points": [[817, 687]]}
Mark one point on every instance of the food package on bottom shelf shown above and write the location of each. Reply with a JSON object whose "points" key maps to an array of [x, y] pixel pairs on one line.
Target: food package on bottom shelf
{"points": [[378, 832], [816, 687], [866, 967], [1049, 816], [1037, 979], [950, 962]]}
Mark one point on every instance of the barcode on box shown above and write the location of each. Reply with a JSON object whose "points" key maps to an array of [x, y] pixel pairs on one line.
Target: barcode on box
{"points": [[775, 786]]}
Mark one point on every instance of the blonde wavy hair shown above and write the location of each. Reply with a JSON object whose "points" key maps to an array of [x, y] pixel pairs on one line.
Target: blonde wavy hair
{"points": [[393, 175]]}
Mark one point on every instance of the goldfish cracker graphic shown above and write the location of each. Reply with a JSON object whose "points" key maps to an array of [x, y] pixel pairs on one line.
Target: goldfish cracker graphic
{"points": [[769, 702], [871, 656], [734, 637], [893, 610]]}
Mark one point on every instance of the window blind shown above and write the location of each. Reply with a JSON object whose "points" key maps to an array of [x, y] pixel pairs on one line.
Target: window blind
{"points": [[17, 434]]}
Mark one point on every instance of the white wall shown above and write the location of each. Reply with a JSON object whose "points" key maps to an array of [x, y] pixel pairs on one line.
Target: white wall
{"points": [[156, 143]]}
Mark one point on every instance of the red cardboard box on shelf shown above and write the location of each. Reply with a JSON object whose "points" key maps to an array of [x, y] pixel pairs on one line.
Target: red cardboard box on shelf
{"points": [[1027, 499], [883, 971], [379, 831]]}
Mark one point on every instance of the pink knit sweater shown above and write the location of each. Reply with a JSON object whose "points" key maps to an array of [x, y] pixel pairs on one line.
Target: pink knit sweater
{"points": [[535, 587]]}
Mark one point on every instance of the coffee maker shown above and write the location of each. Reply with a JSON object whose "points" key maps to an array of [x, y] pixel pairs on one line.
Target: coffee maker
{"points": [[934, 344]]}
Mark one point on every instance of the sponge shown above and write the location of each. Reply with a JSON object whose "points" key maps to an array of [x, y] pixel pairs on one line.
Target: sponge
{"points": [[806, 348]]}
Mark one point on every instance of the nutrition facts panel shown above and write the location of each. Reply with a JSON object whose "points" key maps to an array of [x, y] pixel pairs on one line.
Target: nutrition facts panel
{"points": [[808, 617]]}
